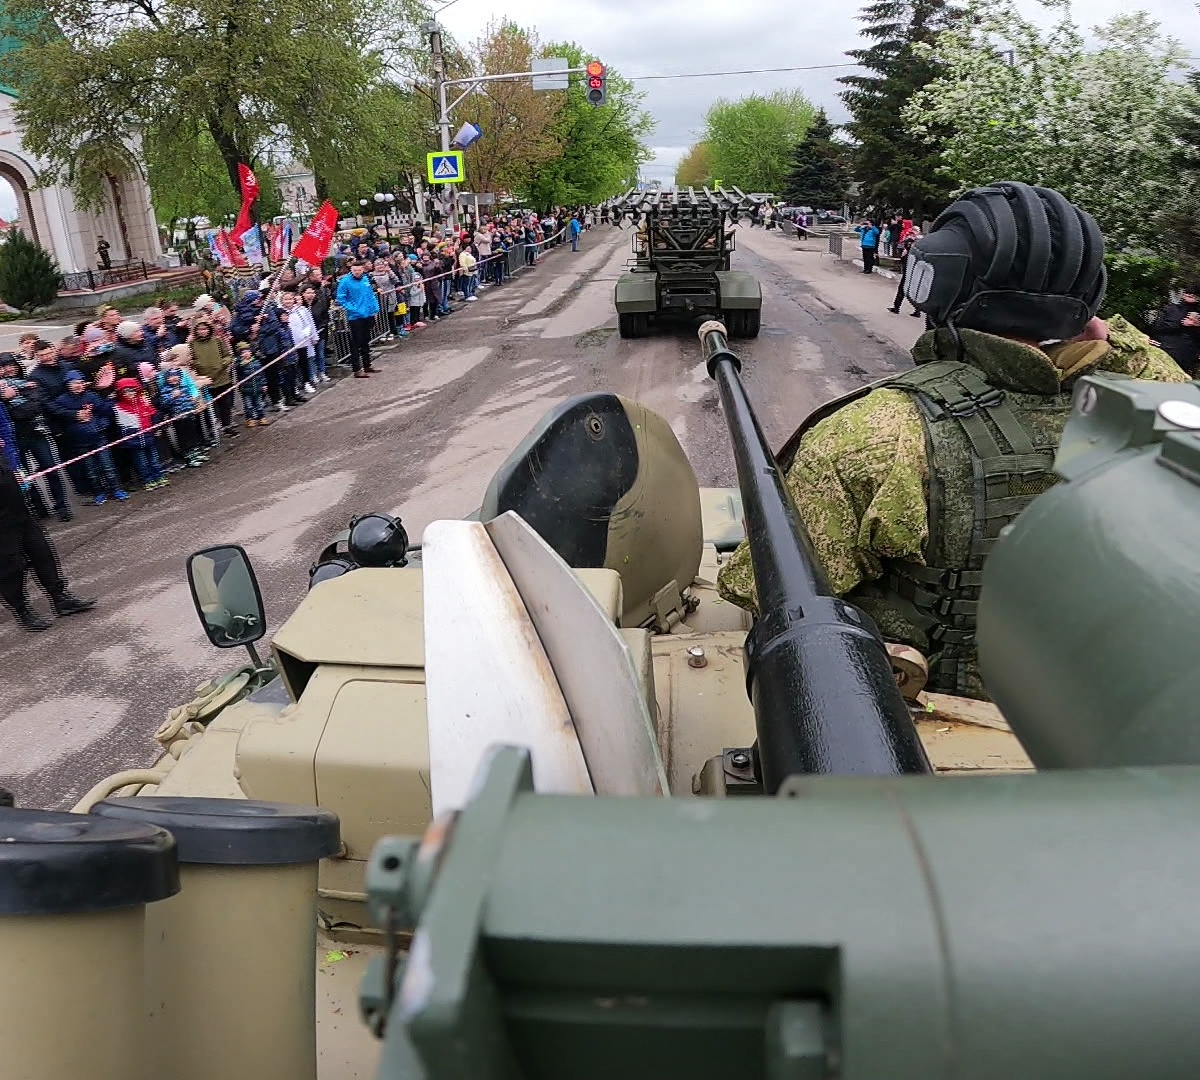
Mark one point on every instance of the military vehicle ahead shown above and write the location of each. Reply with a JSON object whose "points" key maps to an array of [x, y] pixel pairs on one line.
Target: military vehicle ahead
{"points": [[681, 266], [849, 914]]}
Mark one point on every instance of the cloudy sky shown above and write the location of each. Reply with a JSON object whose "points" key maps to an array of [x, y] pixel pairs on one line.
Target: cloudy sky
{"points": [[669, 37], [647, 38]]}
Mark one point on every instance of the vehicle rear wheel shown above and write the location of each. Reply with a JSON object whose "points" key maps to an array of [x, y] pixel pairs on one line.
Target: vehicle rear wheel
{"points": [[631, 324], [733, 322], [751, 322]]}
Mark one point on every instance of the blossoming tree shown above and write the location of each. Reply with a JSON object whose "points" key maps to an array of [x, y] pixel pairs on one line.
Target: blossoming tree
{"points": [[1040, 104]]}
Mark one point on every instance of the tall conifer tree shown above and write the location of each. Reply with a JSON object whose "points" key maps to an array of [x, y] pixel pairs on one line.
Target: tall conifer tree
{"points": [[894, 169], [819, 177]]}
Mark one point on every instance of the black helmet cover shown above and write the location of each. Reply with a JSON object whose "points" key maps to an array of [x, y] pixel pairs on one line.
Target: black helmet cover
{"points": [[1010, 259]]}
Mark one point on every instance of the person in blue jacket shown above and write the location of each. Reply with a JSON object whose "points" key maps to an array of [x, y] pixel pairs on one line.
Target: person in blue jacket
{"points": [[868, 238], [85, 418], [576, 229], [23, 541], [357, 299]]}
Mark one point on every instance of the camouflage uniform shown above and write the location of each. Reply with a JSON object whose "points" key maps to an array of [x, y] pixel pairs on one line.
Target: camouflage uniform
{"points": [[861, 475]]}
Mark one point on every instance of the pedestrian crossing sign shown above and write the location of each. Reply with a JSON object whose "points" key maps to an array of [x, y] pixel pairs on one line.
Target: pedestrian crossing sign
{"points": [[446, 167]]}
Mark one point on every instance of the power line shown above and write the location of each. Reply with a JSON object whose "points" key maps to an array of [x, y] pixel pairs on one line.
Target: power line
{"points": [[775, 70], [744, 71]]}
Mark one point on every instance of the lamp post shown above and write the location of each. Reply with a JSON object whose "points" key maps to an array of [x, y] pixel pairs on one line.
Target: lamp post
{"points": [[383, 205]]}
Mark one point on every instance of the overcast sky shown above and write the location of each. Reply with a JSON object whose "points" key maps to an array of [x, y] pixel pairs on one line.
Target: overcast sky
{"points": [[669, 37]]}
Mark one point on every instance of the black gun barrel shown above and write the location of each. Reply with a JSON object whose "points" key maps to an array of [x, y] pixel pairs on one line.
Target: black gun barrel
{"points": [[817, 671]]}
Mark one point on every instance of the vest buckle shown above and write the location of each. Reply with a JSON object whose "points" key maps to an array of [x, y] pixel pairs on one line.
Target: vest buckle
{"points": [[952, 578]]}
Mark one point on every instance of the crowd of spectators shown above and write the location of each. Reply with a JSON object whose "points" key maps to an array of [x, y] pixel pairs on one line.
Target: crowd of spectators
{"points": [[139, 399]]}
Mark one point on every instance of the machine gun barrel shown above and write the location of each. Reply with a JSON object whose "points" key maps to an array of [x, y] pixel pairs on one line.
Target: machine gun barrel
{"points": [[818, 673]]}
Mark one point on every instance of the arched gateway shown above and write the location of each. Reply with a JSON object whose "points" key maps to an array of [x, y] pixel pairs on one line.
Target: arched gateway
{"points": [[51, 216]]}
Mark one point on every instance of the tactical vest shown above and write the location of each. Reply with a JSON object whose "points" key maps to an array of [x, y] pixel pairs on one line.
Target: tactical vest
{"points": [[990, 453]]}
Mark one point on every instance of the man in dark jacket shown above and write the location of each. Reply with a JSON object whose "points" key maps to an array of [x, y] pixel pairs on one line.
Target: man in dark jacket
{"points": [[1177, 329], [23, 539], [132, 348], [254, 322], [22, 399]]}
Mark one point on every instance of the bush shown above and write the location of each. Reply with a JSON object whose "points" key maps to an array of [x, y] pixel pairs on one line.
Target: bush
{"points": [[29, 276], [1138, 285]]}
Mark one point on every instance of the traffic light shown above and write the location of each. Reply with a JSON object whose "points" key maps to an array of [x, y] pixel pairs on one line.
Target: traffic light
{"points": [[597, 93]]}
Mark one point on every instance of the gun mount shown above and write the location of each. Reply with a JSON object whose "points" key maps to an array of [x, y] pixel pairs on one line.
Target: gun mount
{"points": [[682, 247], [825, 699]]}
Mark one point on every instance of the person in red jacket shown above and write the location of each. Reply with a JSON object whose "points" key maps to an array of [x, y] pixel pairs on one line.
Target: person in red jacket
{"points": [[135, 416]]}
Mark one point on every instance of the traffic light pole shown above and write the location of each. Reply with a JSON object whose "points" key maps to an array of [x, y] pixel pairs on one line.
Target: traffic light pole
{"points": [[469, 85]]}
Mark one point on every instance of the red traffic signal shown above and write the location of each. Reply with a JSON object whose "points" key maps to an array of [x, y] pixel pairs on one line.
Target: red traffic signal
{"points": [[597, 93]]}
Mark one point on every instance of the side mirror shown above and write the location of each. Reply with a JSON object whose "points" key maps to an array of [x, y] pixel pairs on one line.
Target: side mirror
{"points": [[227, 597]]}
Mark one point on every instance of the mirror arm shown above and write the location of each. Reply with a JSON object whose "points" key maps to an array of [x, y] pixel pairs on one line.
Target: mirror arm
{"points": [[254, 657]]}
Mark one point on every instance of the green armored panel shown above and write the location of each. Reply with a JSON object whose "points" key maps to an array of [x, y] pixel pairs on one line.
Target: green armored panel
{"points": [[1089, 619], [738, 290], [1027, 926], [636, 292]]}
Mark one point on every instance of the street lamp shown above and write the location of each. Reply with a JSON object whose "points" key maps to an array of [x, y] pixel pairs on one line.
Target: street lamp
{"points": [[383, 205]]}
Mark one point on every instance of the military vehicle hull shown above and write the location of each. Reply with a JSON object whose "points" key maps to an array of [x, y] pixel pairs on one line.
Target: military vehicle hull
{"points": [[342, 717], [643, 297], [344, 727]]}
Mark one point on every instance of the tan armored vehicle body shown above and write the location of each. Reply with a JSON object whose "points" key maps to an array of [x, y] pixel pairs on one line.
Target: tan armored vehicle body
{"points": [[606, 485]]}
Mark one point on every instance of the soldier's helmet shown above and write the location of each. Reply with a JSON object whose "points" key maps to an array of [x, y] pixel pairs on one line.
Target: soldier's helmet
{"points": [[1010, 259]]}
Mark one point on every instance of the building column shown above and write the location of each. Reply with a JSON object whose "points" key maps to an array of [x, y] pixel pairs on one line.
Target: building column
{"points": [[55, 227]]}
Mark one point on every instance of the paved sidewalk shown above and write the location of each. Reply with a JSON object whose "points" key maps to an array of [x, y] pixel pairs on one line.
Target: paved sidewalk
{"points": [[838, 284]]}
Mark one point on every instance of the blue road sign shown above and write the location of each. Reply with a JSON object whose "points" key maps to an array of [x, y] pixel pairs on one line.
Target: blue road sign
{"points": [[445, 167]]}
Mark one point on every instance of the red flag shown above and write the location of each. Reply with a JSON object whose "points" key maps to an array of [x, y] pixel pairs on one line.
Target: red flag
{"points": [[314, 245], [229, 246], [249, 185]]}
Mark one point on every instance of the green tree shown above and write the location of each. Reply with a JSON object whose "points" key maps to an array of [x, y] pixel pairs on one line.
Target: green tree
{"points": [[750, 141], [29, 276], [894, 168], [518, 122], [90, 75], [600, 148], [695, 167], [1041, 105], [1179, 221], [819, 176]]}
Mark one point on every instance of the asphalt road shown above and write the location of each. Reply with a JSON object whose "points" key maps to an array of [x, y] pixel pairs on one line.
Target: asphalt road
{"points": [[422, 439]]}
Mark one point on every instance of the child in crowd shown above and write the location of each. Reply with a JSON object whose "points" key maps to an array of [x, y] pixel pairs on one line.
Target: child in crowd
{"points": [[85, 417], [179, 403], [135, 416], [248, 370], [416, 295]]}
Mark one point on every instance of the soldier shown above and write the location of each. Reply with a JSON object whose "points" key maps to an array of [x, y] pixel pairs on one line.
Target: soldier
{"points": [[23, 541], [906, 484]]}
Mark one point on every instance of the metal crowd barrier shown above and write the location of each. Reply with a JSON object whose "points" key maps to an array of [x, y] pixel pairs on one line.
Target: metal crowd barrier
{"points": [[835, 243], [337, 346]]}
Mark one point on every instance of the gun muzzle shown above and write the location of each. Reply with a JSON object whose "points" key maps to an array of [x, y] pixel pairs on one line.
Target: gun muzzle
{"points": [[817, 671]]}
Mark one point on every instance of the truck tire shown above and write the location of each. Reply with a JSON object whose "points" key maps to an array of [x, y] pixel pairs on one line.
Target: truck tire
{"points": [[634, 324], [751, 322]]}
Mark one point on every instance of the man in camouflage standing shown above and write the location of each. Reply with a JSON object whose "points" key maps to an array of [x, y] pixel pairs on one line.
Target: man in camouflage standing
{"points": [[906, 484]]}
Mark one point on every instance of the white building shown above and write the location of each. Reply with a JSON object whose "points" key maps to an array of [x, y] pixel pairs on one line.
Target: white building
{"points": [[51, 216]]}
